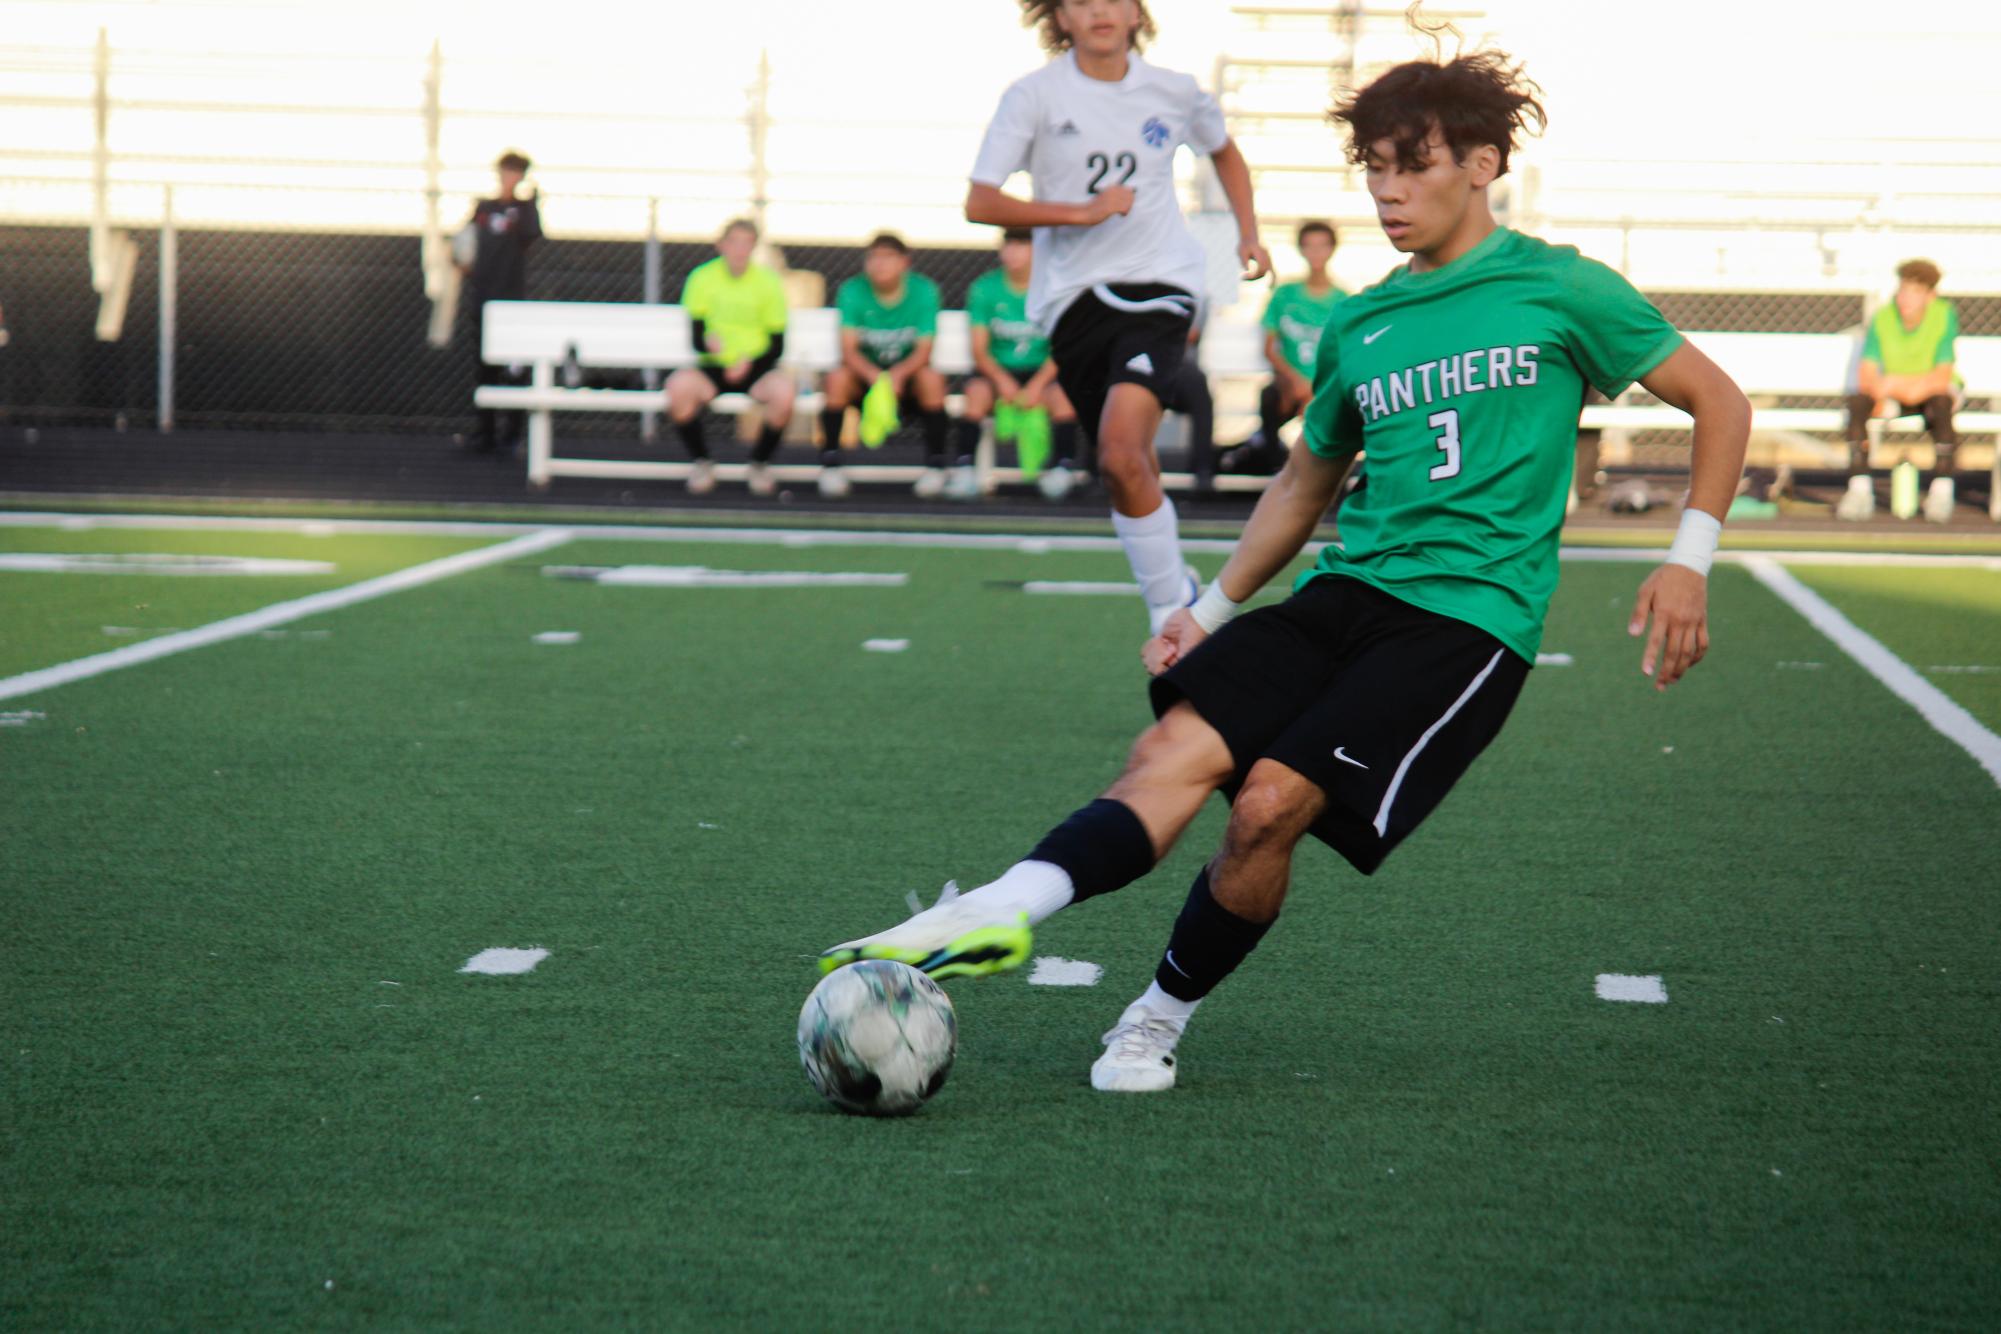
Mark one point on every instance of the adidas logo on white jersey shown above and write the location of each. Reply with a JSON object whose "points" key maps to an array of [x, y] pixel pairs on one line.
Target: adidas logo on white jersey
{"points": [[1141, 363]]}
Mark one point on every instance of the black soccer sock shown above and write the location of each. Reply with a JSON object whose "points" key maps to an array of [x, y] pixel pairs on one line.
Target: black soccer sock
{"points": [[1063, 437], [934, 423], [1101, 847], [767, 443], [831, 420], [1271, 414], [1208, 943], [690, 432], [968, 432]]}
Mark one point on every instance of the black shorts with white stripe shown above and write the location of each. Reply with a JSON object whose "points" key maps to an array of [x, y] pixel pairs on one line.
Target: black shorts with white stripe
{"points": [[1120, 333], [1379, 703]]}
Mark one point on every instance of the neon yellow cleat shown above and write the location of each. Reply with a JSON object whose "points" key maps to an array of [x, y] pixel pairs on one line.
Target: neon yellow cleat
{"points": [[955, 937]]}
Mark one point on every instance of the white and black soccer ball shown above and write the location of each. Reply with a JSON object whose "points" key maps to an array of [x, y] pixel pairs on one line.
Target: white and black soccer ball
{"points": [[878, 1038]]}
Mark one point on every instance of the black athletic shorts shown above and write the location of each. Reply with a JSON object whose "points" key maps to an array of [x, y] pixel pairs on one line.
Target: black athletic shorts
{"points": [[721, 382], [1122, 333], [1381, 704]]}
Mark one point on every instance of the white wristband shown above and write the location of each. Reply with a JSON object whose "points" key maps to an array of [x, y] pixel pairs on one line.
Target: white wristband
{"points": [[1213, 610], [1695, 541]]}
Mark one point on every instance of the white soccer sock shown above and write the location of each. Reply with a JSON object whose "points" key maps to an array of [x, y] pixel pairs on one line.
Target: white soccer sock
{"points": [[1171, 1008], [1153, 547], [1040, 889]]}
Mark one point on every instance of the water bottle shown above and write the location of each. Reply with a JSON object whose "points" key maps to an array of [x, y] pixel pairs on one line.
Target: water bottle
{"points": [[1904, 490]]}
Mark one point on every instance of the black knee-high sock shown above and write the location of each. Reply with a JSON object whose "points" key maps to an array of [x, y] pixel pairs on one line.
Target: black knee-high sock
{"points": [[1063, 438], [934, 423], [1271, 414], [1102, 847], [1209, 941], [690, 432], [968, 432], [830, 428], [767, 443]]}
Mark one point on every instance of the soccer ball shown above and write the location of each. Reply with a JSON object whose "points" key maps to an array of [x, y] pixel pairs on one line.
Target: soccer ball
{"points": [[878, 1038]]}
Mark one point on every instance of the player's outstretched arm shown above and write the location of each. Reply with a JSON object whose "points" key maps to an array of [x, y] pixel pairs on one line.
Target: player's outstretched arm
{"points": [[1676, 596], [1234, 174], [1278, 528], [988, 206]]}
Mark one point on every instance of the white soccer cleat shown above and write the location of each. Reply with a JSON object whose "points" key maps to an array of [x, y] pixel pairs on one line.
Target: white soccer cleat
{"points": [[703, 479], [963, 484], [1056, 482], [1939, 500], [1139, 1054], [760, 480], [833, 481], [930, 484], [958, 936], [1858, 504]]}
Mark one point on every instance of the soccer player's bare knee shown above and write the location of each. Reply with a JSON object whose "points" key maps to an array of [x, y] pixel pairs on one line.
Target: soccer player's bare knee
{"points": [[979, 399], [776, 393], [840, 388], [684, 395], [1272, 811], [929, 387], [1181, 750]]}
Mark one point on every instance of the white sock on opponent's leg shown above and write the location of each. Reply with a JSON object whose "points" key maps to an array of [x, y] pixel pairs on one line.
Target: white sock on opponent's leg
{"points": [[1040, 889], [1153, 548], [1171, 1008]]}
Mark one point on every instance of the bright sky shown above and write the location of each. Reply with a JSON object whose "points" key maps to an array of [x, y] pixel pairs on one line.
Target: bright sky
{"points": [[1703, 110]]}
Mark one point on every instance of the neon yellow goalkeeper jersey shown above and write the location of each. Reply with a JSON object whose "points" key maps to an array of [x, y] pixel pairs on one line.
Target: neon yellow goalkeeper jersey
{"points": [[1463, 384]]}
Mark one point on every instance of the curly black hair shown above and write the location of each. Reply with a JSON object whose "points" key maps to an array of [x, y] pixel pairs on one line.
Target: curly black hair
{"points": [[1474, 99], [1055, 40]]}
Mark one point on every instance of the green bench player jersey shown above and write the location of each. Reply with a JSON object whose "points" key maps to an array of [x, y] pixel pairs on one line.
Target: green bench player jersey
{"points": [[1463, 384], [744, 312], [889, 333], [1297, 317], [1901, 351], [991, 304]]}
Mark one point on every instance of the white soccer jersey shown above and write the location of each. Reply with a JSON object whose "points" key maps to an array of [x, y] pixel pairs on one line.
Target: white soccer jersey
{"points": [[1074, 135]]}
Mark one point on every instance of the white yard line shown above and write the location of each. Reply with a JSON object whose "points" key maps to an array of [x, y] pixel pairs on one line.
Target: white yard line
{"points": [[1946, 717], [280, 613], [846, 537]]}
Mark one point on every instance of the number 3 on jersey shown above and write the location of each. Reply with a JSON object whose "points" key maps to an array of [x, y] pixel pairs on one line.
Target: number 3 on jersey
{"points": [[1447, 424]]}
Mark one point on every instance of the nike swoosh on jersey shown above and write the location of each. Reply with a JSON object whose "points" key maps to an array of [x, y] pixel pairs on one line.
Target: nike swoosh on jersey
{"points": [[1340, 753], [1370, 338]]}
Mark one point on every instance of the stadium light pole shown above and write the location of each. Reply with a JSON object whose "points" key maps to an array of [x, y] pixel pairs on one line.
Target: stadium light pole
{"points": [[760, 125]]}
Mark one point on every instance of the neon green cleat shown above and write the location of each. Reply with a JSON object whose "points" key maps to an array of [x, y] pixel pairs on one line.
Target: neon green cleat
{"points": [[956, 937]]}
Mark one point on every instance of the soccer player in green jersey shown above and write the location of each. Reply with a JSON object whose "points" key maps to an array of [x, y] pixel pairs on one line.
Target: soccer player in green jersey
{"points": [[1293, 319], [1011, 362], [738, 309], [1349, 710], [1907, 368], [889, 317]]}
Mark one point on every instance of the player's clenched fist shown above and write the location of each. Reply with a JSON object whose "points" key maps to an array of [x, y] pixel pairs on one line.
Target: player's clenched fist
{"points": [[1176, 640], [1112, 199]]}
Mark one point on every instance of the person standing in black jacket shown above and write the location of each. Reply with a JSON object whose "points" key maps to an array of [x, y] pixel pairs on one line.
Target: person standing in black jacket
{"points": [[501, 230]]}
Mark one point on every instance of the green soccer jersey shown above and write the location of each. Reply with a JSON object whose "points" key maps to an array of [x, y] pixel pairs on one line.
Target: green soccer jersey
{"points": [[889, 333], [996, 306], [744, 312], [1463, 384], [1297, 317], [1901, 351]]}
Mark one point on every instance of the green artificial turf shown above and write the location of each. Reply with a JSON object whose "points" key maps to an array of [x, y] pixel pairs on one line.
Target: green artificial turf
{"points": [[1944, 623], [238, 1063], [51, 618]]}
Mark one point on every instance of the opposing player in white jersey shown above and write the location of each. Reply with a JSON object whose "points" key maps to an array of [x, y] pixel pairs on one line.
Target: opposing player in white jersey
{"points": [[1117, 272]]}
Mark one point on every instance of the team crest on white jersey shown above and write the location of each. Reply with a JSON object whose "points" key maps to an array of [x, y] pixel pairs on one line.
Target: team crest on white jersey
{"points": [[1155, 131]]}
